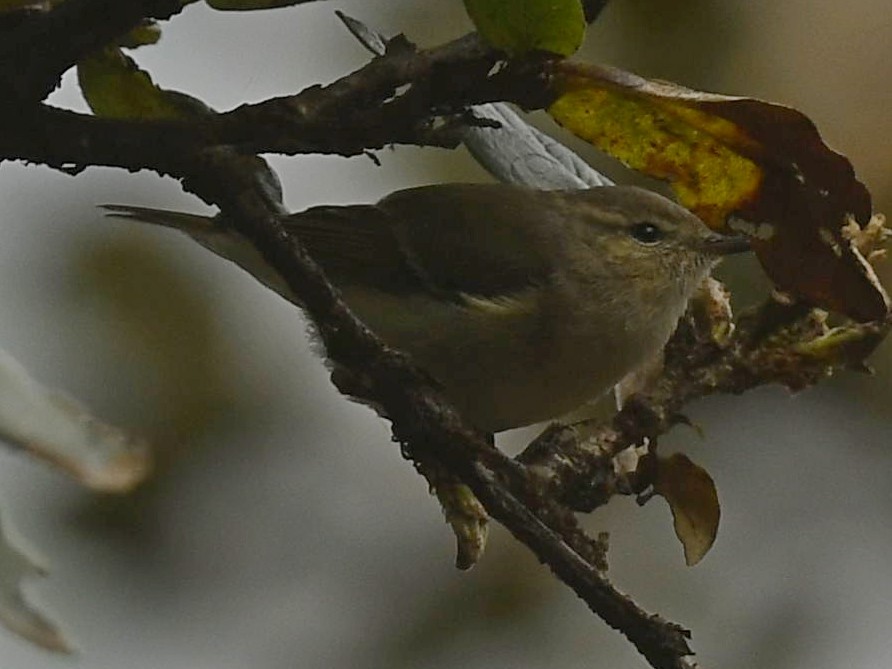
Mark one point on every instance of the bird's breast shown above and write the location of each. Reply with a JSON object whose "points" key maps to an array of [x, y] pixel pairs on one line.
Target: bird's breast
{"points": [[510, 361]]}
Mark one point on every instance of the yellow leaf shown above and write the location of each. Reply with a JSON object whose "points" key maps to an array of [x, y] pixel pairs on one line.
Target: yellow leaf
{"points": [[663, 141], [692, 497]]}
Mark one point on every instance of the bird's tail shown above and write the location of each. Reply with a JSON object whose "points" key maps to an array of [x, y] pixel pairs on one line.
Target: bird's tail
{"points": [[192, 224], [205, 230]]}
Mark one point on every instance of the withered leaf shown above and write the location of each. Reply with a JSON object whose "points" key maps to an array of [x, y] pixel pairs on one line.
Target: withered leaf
{"points": [[692, 497], [741, 165]]}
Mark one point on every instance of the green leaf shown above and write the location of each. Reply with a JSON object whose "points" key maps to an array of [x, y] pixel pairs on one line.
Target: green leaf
{"points": [[147, 32], [114, 86], [521, 26], [246, 5]]}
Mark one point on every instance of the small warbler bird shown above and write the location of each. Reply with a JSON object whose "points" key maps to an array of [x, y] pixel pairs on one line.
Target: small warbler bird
{"points": [[523, 304]]}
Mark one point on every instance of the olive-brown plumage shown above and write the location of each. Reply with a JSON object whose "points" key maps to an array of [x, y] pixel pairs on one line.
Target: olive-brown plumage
{"points": [[524, 304]]}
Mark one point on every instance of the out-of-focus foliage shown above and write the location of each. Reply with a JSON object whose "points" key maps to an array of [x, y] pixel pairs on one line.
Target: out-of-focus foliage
{"points": [[55, 428], [668, 40], [167, 332], [16, 613], [51, 426], [491, 598]]}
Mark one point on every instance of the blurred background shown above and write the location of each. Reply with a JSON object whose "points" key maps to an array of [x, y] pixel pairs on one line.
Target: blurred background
{"points": [[284, 530]]}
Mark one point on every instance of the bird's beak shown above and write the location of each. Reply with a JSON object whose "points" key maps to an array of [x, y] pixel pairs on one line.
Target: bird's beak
{"points": [[724, 245]]}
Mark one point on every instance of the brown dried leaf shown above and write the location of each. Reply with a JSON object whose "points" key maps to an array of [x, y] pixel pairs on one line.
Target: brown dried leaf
{"points": [[692, 497], [741, 165]]}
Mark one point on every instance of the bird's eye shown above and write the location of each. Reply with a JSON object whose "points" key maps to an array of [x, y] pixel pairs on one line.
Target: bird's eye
{"points": [[647, 233]]}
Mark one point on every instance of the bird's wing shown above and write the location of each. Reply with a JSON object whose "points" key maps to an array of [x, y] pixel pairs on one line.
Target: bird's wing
{"points": [[475, 239], [448, 239], [356, 245]]}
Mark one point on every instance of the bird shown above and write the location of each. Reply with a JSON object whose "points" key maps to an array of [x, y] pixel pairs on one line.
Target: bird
{"points": [[523, 304]]}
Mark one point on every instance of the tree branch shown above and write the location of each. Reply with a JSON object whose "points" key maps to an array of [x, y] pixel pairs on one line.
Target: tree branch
{"points": [[787, 344], [356, 113], [38, 49]]}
